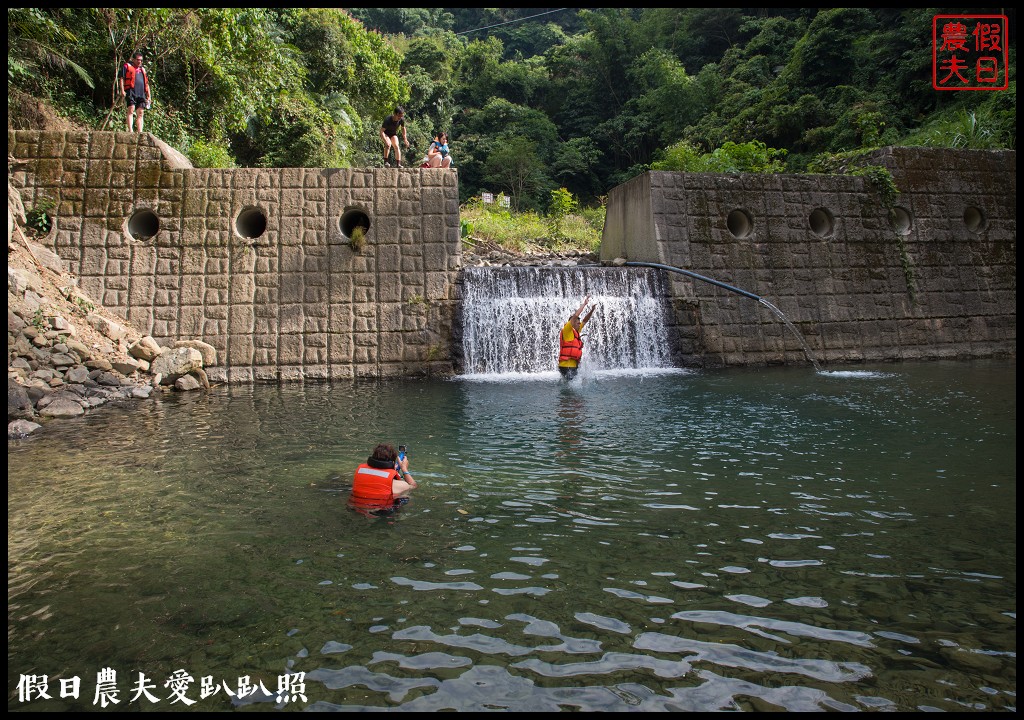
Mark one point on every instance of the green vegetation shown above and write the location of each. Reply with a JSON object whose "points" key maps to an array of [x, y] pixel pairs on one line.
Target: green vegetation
{"points": [[39, 321], [567, 227], [84, 306], [38, 218], [750, 157], [358, 239], [580, 100]]}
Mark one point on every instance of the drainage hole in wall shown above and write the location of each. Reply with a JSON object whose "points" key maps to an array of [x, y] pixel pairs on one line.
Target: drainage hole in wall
{"points": [[901, 220], [251, 223], [822, 223], [975, 219], [740, 224], [353, 219], [143, 225]]}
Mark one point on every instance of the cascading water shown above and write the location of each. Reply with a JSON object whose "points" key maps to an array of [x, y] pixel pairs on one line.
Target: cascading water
{"points": [[511, 317]]}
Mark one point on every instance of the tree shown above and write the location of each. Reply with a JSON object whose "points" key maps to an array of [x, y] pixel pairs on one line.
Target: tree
{"points": [[429, 69], [33, 37], [515, 167]]}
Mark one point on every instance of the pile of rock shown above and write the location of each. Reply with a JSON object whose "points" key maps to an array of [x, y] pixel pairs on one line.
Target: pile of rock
{"points": [[51, 374], [65, 355], [489, 254]]}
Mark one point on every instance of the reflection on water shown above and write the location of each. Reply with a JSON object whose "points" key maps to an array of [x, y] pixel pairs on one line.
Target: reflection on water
{"points": [[757, 540]]}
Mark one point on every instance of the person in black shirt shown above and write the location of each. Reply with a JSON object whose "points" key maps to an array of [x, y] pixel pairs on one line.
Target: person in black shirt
{"points": [[389, 135]]}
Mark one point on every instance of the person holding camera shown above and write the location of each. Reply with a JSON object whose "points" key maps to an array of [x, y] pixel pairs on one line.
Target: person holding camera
{"points": [[383, 481], [402, 462]]}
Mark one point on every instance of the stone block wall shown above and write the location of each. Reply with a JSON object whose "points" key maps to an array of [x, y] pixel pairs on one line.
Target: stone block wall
{"points": [[260, 263], [934, 277]]}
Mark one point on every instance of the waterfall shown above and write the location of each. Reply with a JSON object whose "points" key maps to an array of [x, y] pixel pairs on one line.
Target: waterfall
{"points": [[511, 317]]}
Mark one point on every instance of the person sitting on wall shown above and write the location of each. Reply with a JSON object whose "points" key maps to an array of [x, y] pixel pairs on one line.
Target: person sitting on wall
{"points": [[438, 154], [382, 482]]}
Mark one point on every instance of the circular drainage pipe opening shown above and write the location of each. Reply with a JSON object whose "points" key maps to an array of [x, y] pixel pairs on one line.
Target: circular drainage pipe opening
{"points": [[901, 220], [740, 224], [143, 225], [822, 223], [251, 223], [353, 219], [975, 219]]}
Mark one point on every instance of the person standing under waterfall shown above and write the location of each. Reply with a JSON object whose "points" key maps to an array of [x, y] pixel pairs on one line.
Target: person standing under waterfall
{"points": [[570, 342]]}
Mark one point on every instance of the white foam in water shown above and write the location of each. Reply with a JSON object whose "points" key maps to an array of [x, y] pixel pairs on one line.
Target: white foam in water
{"points": [[512, 316], [555, 376], [872, 374]]}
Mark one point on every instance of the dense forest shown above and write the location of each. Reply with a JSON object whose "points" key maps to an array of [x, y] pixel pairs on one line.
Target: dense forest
{"points": [[533, 99]]}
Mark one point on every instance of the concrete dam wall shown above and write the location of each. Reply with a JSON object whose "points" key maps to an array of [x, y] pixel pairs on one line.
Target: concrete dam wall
{"points": [[263, 264], [934, 276], [340, 273]]}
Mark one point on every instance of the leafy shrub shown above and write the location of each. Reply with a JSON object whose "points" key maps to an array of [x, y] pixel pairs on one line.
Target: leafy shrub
{"points": [[752, 157], [204, 154], [525, 232], [358, 240], [562, 203], [38, 218]]}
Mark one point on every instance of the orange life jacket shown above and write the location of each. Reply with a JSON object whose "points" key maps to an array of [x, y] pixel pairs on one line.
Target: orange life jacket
{"points": [[371, 487], [129, 77], [570, 349]]}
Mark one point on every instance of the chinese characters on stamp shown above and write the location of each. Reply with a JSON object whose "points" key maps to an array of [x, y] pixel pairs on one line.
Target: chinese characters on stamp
{"points": [[969, 52]]}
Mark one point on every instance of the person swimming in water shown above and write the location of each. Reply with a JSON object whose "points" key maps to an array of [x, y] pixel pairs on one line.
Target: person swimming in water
{"points": [[383, 482]]}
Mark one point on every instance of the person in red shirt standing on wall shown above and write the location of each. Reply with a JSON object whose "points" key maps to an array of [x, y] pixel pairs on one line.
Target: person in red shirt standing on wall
{"points": [[133, 82]]}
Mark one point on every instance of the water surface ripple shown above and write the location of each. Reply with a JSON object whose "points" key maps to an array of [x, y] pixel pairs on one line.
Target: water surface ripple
{"points": [[776, 539]]}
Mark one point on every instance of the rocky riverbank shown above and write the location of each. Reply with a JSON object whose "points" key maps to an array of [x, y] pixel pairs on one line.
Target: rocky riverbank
{"points": [[489, 254], [67, 355]]}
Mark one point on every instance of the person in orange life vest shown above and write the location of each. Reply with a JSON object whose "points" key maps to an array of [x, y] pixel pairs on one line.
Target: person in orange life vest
{"points": [[570, 343], [382, 480], [133, 81]]}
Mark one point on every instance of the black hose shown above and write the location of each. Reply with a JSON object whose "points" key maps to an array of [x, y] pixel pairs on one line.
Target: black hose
{"points": [[699, 277]]}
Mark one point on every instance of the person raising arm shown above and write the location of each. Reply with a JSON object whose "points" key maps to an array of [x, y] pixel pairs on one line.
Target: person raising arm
{"points": [[570, 342]]}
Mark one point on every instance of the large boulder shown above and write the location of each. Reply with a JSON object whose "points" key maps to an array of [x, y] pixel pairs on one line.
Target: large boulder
{"points": [[21, 428], [127, 366], [77, 374], [113, 330], [145, 348], [174, 363], [19, 405], [15, 206], [209, 352], [20, 280], [63, 407], [46, 257], [186, 383]]}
